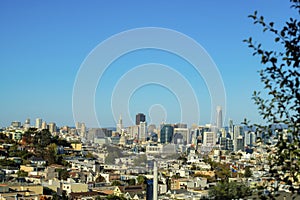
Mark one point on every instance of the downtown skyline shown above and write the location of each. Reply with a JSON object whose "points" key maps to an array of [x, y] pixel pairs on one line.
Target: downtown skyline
{"points": [[44, 44]]}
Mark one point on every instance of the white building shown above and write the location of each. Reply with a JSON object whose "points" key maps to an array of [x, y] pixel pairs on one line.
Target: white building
{"points": [[209, 138], [142, 131], [38, 123]]}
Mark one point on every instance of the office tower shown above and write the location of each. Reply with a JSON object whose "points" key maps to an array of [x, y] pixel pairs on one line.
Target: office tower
{"points": [[77, 125], [133, 132], [149, 190], [16, 124], [52, 127], [27, 121], [26, 125], [219, 117], [209, 138], [143, 131], [181, 136], [155, 181], [239, 143], [120, 125], [44, 125], [250, 138], [237, 131], [151, 128], [82, 130], [38, 123], [140, 117], [166, 133]]}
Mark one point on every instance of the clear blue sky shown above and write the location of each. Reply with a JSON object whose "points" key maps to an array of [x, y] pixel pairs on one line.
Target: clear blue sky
{"points": [[43, 43]]}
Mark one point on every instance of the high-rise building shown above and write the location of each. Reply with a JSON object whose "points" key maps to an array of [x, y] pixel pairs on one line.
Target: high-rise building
{"points": [[82, 130], [77, 125], [16, 124], [239, 143], [140, 117], [142, 131], [120, 125], [250, 138], [133, 132], [181, 136], [209, 138], [44, 125], [219, 117], [166, 133], [52, 127], [27, 121], [38, 123]]}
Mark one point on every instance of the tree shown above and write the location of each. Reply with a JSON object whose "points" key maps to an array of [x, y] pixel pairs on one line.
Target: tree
{"points": [[141, 179], [248, 172], [42, 138], [281, 103], [100, 179], [63, 174], [131, 182], [22, 173], [229, 190], [50, 154], [116, 183]]}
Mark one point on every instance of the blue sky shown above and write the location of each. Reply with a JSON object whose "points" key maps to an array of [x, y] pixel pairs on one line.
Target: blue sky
{"points": [[43, 44]]}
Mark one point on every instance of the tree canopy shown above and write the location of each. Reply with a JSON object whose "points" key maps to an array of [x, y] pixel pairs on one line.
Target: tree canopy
{"points": [[229, 190], [281, 103]]}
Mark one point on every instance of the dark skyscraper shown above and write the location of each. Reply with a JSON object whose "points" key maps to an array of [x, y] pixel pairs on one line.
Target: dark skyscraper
{"points": [[140, 117], [166, 134]]}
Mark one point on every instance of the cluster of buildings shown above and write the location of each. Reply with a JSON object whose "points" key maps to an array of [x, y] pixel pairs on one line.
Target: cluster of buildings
{"points": [[169, 161]]}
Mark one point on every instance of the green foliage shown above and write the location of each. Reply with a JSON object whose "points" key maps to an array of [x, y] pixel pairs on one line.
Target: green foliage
{"points": [[60, 142], [281, 78], [63, 174], [42, 138], [45, 146], [114, 197], [22, 173], [248, 172], [229, 190], [6, 139], [116, 183], [89, 155], [131, 182], [100, 179], [9, 163], [50, 154], [141, 179], [222, 171]]}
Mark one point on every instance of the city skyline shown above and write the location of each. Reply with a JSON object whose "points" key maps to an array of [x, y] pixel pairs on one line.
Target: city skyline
{"points": [[44, 44]]}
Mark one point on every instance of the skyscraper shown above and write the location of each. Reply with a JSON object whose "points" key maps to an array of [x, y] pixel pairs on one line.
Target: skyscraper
{"points": [[140, 117], [219, 117], [143, 131], [166, 133], [120, 125], [44, 125], [38, 123], [52, 127]]}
